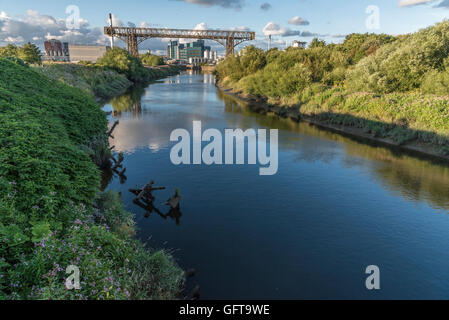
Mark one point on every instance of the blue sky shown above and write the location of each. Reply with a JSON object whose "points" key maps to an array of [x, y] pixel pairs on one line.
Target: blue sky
{"points": [[327, 19]]}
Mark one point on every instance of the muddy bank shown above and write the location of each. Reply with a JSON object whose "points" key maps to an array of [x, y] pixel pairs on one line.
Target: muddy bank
{"points": [[261, 106]]}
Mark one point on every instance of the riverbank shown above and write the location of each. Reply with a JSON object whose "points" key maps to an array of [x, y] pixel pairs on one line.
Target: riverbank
{"points": [[102, 83], [52, 213], [293, 112], [386, 88]]}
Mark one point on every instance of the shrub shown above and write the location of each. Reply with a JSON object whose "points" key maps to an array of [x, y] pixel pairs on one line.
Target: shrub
{"points": [[152, 60], [402, 64], [51, 215], [29, 53], [122, 61]]}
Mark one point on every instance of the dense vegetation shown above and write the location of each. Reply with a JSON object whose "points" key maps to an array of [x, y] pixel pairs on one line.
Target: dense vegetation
{"points": [[121, 61], [115, 72], [51, 212], [392, 87], [29, 53], [97, 81], [152, 60]]}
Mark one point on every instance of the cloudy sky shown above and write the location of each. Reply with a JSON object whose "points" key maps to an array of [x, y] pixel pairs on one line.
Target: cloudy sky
{"points": [[284, 20]]}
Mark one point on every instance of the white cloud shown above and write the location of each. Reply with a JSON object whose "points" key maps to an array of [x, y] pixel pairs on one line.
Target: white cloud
{"points": [[116, 22], [35, 27], [408, 3], [298, 21], [201, 26], [274, 29], [236, 4], [240, 28]]}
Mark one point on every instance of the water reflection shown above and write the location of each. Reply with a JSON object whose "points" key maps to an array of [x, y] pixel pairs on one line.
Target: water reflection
{"points": [[412, 177], [335, 205]]}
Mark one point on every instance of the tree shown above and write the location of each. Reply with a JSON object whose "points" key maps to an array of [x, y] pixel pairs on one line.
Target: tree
{"points": [[30, 53], [9, 51], [122, 61], [317, 43], [152, 60]]}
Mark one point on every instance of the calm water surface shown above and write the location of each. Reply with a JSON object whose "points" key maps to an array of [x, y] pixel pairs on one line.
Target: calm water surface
{"points": [[336, 205]]}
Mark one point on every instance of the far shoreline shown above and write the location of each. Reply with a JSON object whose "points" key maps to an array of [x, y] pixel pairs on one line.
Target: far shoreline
{"points": [[260, 106]]}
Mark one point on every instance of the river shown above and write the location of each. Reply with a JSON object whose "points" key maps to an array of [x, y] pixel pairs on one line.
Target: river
{"points": [[336, 205]]}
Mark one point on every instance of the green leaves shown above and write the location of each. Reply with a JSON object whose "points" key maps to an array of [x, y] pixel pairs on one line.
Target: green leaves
{"points": [[29, 53], [40, 230]]}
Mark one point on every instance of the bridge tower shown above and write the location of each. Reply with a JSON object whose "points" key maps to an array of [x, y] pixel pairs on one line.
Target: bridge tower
{"points": [[132, 44]]}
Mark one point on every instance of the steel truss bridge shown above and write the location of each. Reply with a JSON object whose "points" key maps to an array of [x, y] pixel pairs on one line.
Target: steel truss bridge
{"points": [[135, 36]]}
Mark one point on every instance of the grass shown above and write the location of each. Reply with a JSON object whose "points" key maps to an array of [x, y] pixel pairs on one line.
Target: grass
{"points": [[52, 214], [103, 84], [403, 117]]}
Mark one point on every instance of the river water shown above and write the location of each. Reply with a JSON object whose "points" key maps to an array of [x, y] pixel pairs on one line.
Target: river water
{"points": [[336, 205]]}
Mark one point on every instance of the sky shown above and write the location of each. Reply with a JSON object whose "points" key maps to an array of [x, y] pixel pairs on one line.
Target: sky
{"points": [[285, 20]]}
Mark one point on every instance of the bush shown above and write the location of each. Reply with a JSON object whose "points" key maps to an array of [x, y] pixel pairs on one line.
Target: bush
{"points": [[152, 60], [29, 53], [51, 215], [101, 83], [120, 60], [403, 64]]}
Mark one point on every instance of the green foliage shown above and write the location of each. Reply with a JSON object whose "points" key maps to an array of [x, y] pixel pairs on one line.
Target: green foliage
{"points": [[28, 53], [120, 60], [10, 50], [436, 81], [40, 230], [317, 43], [403, 64], [152, 60], [48, 183], [94, 80], [376, 82], [321, 63]]}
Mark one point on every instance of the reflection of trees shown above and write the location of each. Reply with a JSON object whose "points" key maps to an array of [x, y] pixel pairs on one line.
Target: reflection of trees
{"points": [[130, 101], [411, 176]]}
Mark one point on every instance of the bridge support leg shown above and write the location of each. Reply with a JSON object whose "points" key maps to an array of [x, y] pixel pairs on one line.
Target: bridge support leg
{"points": [[230, 45], [132, 46]]}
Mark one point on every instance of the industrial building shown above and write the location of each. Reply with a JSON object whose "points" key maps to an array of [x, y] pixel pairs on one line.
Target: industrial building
{"points": [[298, 44], [55, 50], [86, 52], [188, 52]]}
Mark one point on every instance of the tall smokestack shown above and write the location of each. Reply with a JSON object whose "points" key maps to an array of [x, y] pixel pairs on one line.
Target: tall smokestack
{"points": [[269, 42], [112, 36]]}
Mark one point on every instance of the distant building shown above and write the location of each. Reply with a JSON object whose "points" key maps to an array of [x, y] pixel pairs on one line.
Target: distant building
{"points": [[86, 52], [298, 44], [56, 50], [188, 51], [172, 50]]}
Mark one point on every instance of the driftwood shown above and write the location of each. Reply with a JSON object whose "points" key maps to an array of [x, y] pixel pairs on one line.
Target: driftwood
{"points": [[118, 162], [174, 201], [109, 133], [149, 208], [146, 193], [144, 199]]}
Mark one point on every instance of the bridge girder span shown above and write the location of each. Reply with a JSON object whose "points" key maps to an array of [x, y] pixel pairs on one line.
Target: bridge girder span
{"points": [[135, 36]]}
